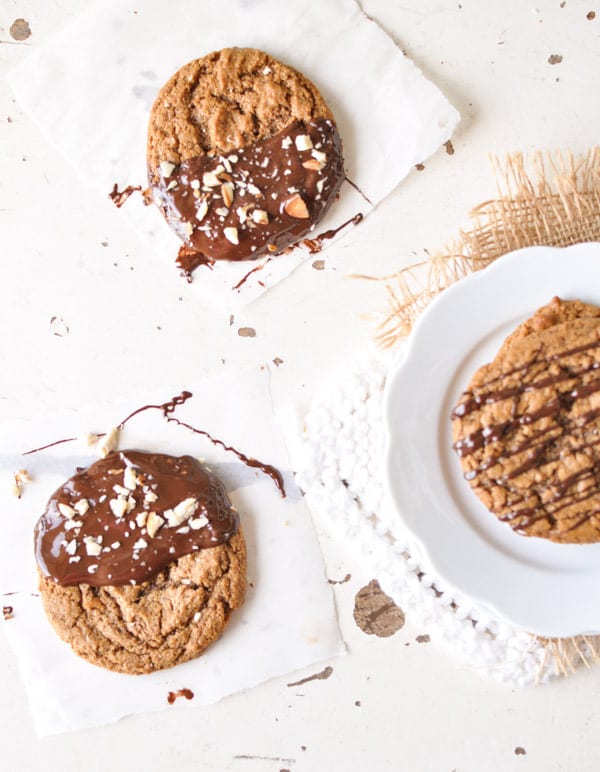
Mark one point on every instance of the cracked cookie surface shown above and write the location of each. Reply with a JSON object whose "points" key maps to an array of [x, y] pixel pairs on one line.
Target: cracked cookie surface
{"points": [[227, 100], [163, 622]]}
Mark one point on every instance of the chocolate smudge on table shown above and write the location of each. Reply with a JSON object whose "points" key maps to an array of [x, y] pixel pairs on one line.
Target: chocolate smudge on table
{"points": [[375, 613], [172, 696], [322, 676], [340, 581], [20, 30]]}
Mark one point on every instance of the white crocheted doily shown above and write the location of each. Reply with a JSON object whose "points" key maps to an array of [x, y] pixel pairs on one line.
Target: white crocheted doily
{"points": [[337, 455]]}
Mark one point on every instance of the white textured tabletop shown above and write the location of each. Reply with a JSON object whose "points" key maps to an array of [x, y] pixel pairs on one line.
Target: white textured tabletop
{"points": [[395, 703]]}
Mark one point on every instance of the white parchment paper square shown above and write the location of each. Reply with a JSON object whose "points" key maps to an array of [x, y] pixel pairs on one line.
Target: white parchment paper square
{"points": [[288, 620], [91, 88]]}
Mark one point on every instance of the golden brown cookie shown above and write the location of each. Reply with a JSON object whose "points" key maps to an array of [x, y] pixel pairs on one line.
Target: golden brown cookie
{"points": [[244, 157], [141, 561], [527, 428], [555, 312], [170, 619]]}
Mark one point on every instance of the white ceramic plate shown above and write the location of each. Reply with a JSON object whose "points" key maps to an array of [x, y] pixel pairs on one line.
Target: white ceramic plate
{"points": [[545, 588]]}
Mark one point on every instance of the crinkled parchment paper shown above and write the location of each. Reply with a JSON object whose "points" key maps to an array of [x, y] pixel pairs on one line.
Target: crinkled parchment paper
{"points": [[91, 88], [288, 620]]}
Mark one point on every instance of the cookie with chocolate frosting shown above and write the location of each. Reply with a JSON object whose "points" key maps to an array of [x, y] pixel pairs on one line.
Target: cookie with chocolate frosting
{"points": [[244, 157], [141, 561], [527, 428]]}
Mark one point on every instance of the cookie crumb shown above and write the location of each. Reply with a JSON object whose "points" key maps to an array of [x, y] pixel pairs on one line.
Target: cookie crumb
{"points": [[423, 638], [519, 751], [21, 478], [7, 611], [277, 361], [419, 167], [591, 15], [187, 693], [555, 59], [318, 265], [247, 332], [449, 146]]}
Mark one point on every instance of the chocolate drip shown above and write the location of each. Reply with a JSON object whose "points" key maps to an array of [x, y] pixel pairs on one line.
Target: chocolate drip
{"points": [[254, 463], [119, 197], [188, 259], [316, 245], [122, 520], [246, 276], [167, 408], [256, 200]]}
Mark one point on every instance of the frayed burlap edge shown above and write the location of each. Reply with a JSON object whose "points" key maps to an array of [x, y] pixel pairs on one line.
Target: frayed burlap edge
{"points": [[550, 199]]}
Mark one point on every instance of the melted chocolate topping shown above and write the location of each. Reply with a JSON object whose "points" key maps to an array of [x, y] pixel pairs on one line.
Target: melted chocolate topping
{"points": [[127, 516], [256, 200]]}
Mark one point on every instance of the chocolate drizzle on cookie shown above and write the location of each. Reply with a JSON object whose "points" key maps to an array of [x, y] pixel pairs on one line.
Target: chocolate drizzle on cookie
{"points": [[122, 520], [257, 200], [536, 458]]}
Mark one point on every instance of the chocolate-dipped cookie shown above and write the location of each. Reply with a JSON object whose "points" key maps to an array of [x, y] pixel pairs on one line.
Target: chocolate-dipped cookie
{"points": [[244, 156], [141, 561]]}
